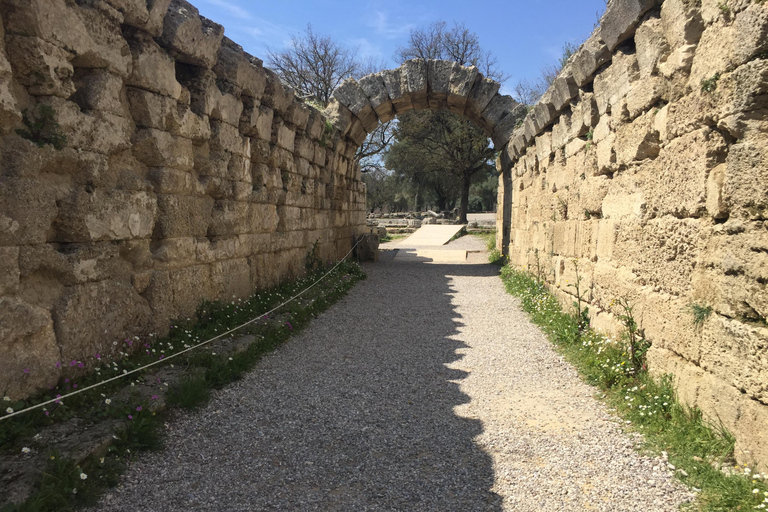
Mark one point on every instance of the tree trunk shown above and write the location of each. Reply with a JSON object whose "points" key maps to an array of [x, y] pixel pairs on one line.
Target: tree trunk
{"points": [[465, 183]]}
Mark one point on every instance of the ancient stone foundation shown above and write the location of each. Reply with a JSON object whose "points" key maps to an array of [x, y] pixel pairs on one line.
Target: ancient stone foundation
{"points": [[646, 164]]}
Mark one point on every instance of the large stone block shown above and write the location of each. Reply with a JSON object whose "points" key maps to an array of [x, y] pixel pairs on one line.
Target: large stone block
{"points": [[156, 148], [28, 348], [153, 69], [751, 27], [687, 162], [241, 69], [180, 216], [414, 81], [10, 111], [745, 186], [339, 116], [375, 89], [460, 85], [620, 19], [398, 95], [563, 89], [715, 53], [353, 97], [277, 95], [9, 270], [682, 22], [592, 54], [192, 38], [104, 215], [652, 46], [644, 94], [43, 68], [613, 83], [481, 94], [177, 293], [439, 76], [100, 90], [637, 141], [27, 210]]}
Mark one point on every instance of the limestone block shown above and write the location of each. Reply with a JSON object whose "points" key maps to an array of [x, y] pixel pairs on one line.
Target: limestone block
{"points": [[352, 96], [592, 54], [375, 90], [277, 95], [606, 155], [734, 351], [592, 194], [105, 215], [27, 210], [339, 116], [481, 94], [298, 115], [87, 32], [174, 253], [687, 162], [637, 141], [438, 78], [27, 341], [147, 16], [543, 114], [661, 252], [156, 148], [225, 137], [679, 61], [180, 216], [237, 67], [584, 116], [231, 278], [171, 181], [10, 112], [623, 201], [100, 90], [644, 94], [602, 129], [715, 53], [398, 95], [192, 38], [504, 128], [574, 147], [740, 93], [460, 85], [561, 131], [229, 217], [44, 69], [263, 218], [153, 69], [606, 238], [682, 22], [9, 270], [613, 83], [544, 146], [177, 293], [564, 89], [751, 27], [414, 80], [91, 314], [315, 124], [652, 46], [620, 19], [745, 186], [751, 437]]}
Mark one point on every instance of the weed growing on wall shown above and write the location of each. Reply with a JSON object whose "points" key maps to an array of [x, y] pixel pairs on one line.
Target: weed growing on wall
{"points": [[700, 453], [138, 415], [42, 127], [710, 84], [700, 313]]}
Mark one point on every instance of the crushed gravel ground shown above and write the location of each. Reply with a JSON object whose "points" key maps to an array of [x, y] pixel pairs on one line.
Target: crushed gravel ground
{"points": [[425, 389]]}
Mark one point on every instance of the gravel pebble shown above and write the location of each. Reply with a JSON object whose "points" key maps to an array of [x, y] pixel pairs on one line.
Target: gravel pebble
{"points": [[425, 389]]}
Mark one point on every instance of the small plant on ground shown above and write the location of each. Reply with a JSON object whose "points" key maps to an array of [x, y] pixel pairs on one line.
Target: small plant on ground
{"points": [[312, 260], [582, 314], [701, 453], [42, 127], [700, 313], [637, 344]]}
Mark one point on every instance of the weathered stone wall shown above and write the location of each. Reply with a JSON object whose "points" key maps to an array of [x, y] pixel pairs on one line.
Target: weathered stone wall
{"points": [[647, 164], [188, 173]]}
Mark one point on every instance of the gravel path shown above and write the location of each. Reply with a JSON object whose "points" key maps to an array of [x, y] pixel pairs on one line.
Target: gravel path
{"points": [[425, 389]]}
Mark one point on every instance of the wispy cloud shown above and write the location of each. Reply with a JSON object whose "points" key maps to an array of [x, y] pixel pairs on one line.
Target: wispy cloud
{"points": [[232, 8], [268, 34], [382, 25], [367, 49]]}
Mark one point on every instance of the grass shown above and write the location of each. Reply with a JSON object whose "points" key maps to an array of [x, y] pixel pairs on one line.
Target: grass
{"points": [[207, 367], [494, 254], [702, 453], [700, 313], [392, 237]]}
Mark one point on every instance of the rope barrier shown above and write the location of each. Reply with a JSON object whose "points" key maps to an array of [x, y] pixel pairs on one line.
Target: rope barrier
{"points": [[165, 359]]}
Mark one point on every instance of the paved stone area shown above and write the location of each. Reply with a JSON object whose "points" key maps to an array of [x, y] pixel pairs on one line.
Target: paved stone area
{"points": [[425, 389]]}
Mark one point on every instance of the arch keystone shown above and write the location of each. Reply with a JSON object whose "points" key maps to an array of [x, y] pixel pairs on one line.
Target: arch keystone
{"points": [[414, 82]]}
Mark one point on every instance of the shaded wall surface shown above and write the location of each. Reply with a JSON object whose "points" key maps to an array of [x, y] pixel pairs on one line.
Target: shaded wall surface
{"points": [[167, 166], [646, 164]]}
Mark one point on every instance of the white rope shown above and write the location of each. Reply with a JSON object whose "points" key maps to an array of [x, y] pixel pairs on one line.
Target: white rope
{"points": [[159, 361]]}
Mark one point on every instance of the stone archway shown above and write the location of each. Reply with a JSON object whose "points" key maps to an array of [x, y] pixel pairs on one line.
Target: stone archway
{"points": [[357, 107]]}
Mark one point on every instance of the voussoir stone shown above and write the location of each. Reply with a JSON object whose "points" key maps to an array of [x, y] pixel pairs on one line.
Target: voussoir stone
{"points": [[375, 89], [414, 81], [563, 89], [339, 115], [439, 72], [194, 39], [497, 109], [237, 67], [461, 82], [398, 95], [481, 94], [352, 96]]}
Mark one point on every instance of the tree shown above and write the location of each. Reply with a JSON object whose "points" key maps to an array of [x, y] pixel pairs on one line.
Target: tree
{"points": [[528, 93], [440, 151], [315, 65]]}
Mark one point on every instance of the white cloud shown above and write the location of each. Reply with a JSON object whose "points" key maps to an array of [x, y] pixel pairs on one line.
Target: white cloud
{"points": [[366, 49], [380, 22], [232, 8]]}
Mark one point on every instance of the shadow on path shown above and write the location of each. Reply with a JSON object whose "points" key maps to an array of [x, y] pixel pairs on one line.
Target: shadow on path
{"points": [[356, 413]]}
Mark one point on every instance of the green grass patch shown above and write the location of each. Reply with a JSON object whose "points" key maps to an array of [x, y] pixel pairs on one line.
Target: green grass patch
{"points": [[702, 453], [62, 487]]}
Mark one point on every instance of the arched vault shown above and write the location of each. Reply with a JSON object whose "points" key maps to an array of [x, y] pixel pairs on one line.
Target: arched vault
{"points": [[357, 107]]}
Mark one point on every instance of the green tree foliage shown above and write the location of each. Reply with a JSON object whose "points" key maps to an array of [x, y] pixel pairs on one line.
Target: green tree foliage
{"points": [[437, 152]]}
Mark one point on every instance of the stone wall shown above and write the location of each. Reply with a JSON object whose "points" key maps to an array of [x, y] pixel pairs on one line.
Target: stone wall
{"points": [[188, 172], [646, 163]]}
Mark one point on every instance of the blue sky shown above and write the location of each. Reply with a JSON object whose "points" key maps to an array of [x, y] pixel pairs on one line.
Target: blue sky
{"points": [[522, 35]]}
